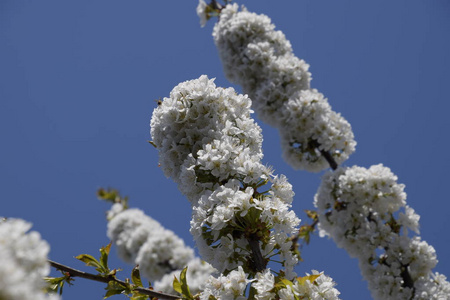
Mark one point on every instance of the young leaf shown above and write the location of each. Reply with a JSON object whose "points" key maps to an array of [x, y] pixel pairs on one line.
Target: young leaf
{"points": [[286, 282], [102, 265], [312, 214], [136, 277], [184, 285], [55, 283], [104, 252], [90, 261], [310, 278], [177, 285], [305, 233], [112, 196], [114, 288], [138, 296]]}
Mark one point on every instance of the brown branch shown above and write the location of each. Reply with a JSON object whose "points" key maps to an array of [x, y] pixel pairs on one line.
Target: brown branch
{"points": [[328, 157], [106, 279], [408, 282], [407, 279], [257, 258]]}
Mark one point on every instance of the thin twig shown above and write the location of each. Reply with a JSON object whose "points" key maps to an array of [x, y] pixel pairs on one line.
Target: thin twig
{"points": [[106, 279]]}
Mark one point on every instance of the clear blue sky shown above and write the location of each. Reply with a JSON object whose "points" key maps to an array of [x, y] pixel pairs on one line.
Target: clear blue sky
{"points": [[79, 79]]}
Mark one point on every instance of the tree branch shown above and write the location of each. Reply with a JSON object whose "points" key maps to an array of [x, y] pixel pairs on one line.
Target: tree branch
{"points": [[329, 158], [407, 279], [257, 257], [106, 279]]}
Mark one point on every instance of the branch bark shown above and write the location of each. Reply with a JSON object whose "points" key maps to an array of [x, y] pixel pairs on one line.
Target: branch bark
{"points": [[257, 257], [328, 157], [100, 278]]}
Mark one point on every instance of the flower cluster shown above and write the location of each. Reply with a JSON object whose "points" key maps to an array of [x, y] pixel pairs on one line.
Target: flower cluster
{"points": [[316, 286], [211, 147], [158, 251], [24, 263], [232, 286], [364, 211], [260, 59], [435, 287], [205, 135]]}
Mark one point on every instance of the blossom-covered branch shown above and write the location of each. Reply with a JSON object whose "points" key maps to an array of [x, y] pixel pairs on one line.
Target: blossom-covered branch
{"points": [[211, 147], [160, 254], [364, 211], [260, 59]]}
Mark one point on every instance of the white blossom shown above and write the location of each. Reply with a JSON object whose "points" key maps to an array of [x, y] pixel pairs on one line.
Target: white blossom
{"points": [[319, 289], [142, 240], [205, 134], [209, 144], [313, 127], [436, 287], [282, 189], [24, 264], [364, 211], [355, 206], [264, 284], [201, 12], [116, 208], [230, 287], [261, 60], [198, 272]]}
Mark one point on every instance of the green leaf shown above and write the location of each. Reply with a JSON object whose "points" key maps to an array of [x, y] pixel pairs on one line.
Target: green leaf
{"points": [[110, 293], [177, 285], [112, 196], [136, 277], [55, 283], [286, 282], [310, 278], [102, 265], [280, 283], [137, 296], [104, 252], [114, 288], [89, 260], [184, 285], [305, 233], [312, 214]]}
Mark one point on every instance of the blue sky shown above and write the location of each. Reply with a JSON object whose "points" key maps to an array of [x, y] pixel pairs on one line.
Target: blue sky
{"points": [[79, 79]]}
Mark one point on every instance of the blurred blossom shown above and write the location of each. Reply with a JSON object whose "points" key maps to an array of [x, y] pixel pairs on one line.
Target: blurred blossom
{"points": [[24, 264]]}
